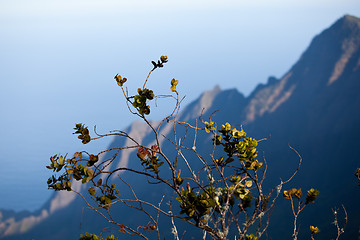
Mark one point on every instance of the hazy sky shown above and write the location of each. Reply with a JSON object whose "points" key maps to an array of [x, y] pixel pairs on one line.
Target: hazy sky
{"points": [[58, 59]]}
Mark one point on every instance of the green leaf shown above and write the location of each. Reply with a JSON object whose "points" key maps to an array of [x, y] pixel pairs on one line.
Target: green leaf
{"points": [[85, 180], [311, 195], [92, 191]]}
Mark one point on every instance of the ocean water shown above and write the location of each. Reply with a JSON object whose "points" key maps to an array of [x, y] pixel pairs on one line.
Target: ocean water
{"points": [[23, 173], [23, 185]]}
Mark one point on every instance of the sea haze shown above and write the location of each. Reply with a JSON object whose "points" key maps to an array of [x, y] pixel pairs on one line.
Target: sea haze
{"points": [[22, 187]]}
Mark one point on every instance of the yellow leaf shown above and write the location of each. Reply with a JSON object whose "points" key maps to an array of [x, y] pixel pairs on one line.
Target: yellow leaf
{"points": [[248, 183], [173, 85], [298, 193], [314, 230], [287, 194]]}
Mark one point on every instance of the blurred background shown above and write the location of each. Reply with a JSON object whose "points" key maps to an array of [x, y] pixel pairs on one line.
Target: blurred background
{"points": [[58, 60]]}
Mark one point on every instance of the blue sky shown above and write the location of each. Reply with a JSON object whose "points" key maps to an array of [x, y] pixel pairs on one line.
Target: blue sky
{"points": [[58, 60]]}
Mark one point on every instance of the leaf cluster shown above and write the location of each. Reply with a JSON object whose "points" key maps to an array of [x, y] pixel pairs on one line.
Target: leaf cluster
{"points": [[235, 143], [196, 206], [144, 95], [160, 63], [83, 133], [301, 204], [89, 236], [314, 230], [251, 237], [297, 193], [73, 170], [64, 181], [120, 80], [174, 83], [149, 159], [108, 194], [140, 101], [240, 189]]}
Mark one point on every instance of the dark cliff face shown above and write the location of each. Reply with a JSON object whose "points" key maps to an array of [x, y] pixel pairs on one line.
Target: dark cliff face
{"points": [[320, 118], [315, 108], [330, 62]]}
